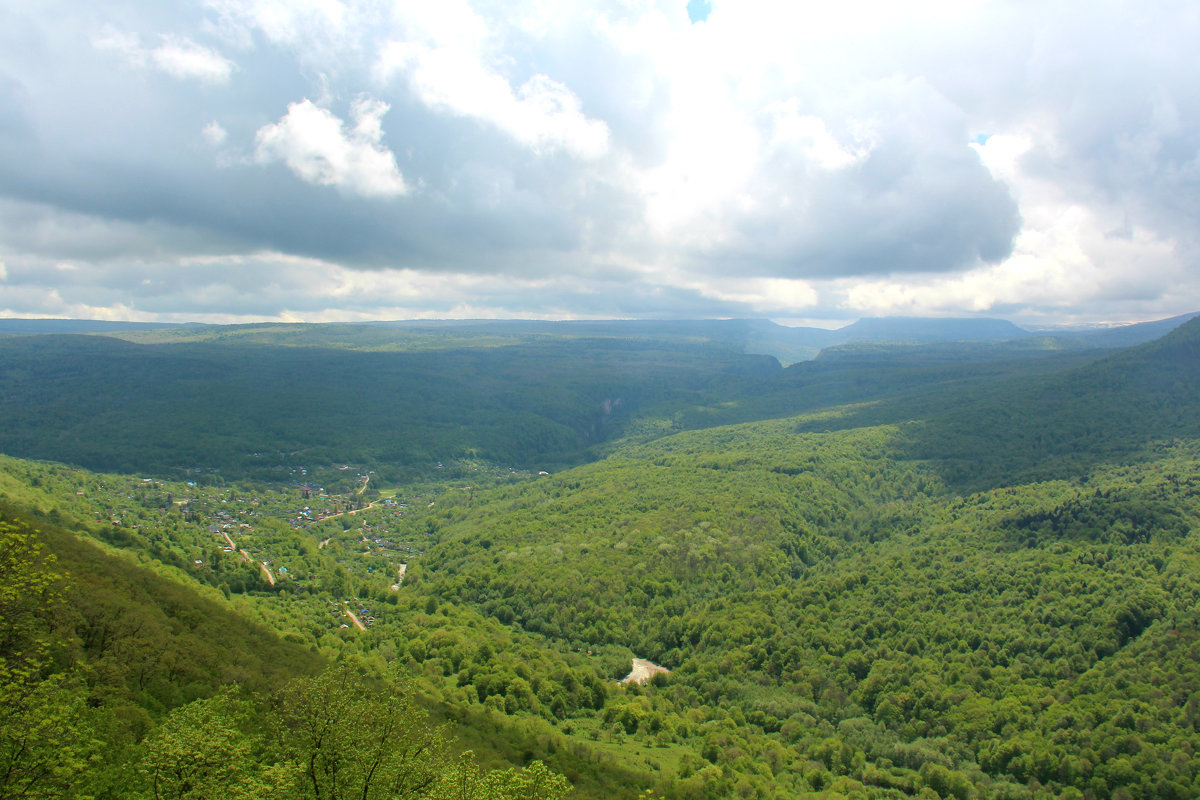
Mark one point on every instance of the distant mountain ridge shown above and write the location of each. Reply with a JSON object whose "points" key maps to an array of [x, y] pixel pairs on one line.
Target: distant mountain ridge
{"points": [[793, 344], [923, 329], [782, 341], [81, 325], [1126, 335], [753, 336]]}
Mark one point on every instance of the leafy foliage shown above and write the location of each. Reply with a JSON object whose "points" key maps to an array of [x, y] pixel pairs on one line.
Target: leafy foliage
{"points": [[980, 580], [38, 709]]}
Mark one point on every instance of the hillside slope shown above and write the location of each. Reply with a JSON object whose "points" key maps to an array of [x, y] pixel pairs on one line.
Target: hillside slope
{"points": [[979, 580], [153, 634], [1062, 424], [831, 608], [827, 611], [244, 408], [107, 647]]}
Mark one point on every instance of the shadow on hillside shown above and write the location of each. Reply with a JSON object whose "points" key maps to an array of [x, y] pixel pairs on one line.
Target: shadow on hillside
{"points": [[997, 432]]}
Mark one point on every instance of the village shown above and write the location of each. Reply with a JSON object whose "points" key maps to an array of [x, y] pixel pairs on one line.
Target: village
{"points": [[362, 537], [328, 533]]}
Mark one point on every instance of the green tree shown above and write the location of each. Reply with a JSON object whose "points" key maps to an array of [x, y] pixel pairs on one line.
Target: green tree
{"points": [[42, 748], [202, 751], [348, 739], [535, 782]]}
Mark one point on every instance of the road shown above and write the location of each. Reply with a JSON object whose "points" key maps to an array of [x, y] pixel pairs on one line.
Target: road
{"points": [[247, 558], [368, 506], [358, 624]]}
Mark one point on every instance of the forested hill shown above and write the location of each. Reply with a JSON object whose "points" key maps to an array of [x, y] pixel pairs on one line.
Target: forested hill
{"points": [[1183, 341], [263, 400], [918, 571], [242, 407], [125, 682], [837, 621], [121, 643], [1060, 425]]}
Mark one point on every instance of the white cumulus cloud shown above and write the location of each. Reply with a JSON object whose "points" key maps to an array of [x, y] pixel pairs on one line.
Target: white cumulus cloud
{"points": [[810, 138], [319, 148], [541, 113]]}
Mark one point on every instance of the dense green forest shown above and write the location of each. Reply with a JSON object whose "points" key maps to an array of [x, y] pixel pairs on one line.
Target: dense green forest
{"points": [[250, 409], [951, 570]]}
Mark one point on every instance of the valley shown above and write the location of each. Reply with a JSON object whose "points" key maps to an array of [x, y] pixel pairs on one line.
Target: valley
{"points": [[934, 569]]}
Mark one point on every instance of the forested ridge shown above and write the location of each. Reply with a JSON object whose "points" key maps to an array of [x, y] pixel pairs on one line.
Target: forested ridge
{"points": [[943, 571], [249, 408]]}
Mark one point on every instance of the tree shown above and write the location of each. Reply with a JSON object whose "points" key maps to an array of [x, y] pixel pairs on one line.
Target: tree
{"points": [[41, 749], [348, 739], [201, 751], [344, 736], [535, 782]]}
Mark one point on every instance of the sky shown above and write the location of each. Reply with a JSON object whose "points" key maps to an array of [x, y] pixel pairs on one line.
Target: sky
{"points": [[811, 163]]}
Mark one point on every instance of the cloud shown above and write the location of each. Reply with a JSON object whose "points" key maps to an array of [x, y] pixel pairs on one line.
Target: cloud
{"points": [[763, 296], [40, 234], [318, 148], [541, 113], [214, 134], [607, 158], [125, 44], [283, 22], [881, 181], [810, 138], [177, 56], [182, 59]]}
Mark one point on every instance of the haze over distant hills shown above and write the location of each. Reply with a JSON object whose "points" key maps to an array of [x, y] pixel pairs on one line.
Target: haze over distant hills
{"points": [[788, 344], [17, 325]]}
